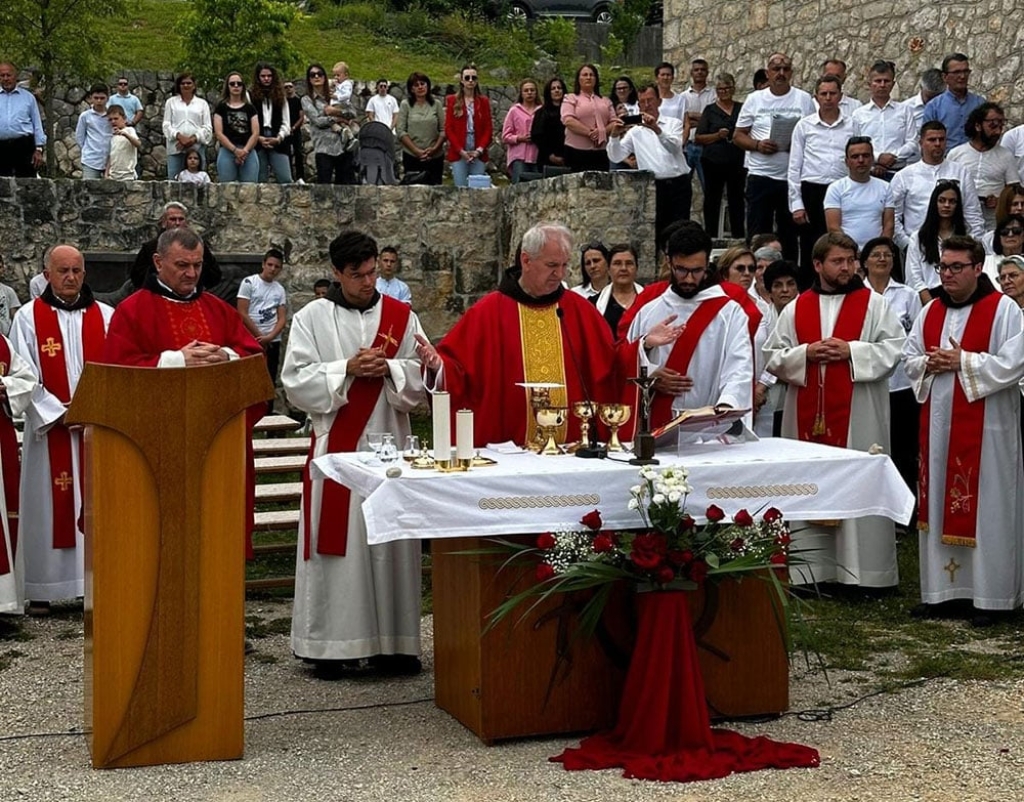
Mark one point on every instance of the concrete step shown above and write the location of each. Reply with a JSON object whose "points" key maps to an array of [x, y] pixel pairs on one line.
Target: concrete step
{"points": [[271, 446], [274, 548], [277, 520], [282, 491], [287, 464], [276, 423]]}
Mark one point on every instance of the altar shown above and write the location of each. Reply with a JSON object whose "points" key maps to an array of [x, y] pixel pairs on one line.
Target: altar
{"points": [[530, 676]]}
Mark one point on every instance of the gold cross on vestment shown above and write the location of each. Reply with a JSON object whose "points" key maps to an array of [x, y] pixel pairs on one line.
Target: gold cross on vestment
{"points": [[952, 567], [387, 338], [63, 481], [50, 347], [3, 369]]}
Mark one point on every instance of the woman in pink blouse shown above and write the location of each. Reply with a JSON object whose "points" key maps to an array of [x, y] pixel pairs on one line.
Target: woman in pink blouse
{"points": [[521, 152], [587, 117]]}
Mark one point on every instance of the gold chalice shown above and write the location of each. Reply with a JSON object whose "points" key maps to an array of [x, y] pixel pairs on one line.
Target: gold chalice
{"points": [[584, 410], [613, 416], [549, 419]]}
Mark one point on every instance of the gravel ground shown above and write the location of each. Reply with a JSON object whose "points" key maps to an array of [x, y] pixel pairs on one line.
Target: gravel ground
{"points": [[370, 739]]}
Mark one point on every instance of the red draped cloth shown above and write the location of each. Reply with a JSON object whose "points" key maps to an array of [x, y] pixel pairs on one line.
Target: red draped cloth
{"points": [[663, 730]]}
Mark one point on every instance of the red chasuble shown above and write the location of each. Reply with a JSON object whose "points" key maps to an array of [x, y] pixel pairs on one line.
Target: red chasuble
{"points": [[500, 341], [963, 456], [11, 463], [823, 403], [146, 324], [349, 425], [54, 376]]}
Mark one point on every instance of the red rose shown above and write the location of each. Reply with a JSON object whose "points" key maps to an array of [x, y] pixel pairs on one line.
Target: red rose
{"points": [[603, 542], [772, 514], [648, 550], [592, 520], [698, 571], [544, 571], [677, 557], [714, 513], [545, 541], [743, 518], [737, 544], [778, 558], [686, 523], [665, 575], [783, 540]]}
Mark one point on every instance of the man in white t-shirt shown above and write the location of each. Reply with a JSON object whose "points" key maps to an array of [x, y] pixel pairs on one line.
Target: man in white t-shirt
{"points": [[263, 304], [673, 104], [382, 107], [764, 129], [856, 205]]}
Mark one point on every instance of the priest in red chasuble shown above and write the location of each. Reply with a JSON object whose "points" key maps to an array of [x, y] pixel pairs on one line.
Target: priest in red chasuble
{"points": [[835, 347], [965, 357], [173, 323], [530, 330], [57, 334]]}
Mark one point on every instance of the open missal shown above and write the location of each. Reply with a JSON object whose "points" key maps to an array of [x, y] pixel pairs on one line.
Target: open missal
{"points": [[699, 419]]}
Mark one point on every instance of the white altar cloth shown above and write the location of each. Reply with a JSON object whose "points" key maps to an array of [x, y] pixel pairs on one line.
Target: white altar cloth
{"points": [[528, 493]]}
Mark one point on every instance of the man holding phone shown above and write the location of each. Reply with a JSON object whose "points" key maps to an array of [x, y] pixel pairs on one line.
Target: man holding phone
{"points": [[656, 143]]}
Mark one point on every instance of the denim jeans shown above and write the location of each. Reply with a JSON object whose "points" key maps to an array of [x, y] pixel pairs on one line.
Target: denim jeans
{"points": [[462, 170], [91, 173], [228, 170], [280, 163], [693, 151]]}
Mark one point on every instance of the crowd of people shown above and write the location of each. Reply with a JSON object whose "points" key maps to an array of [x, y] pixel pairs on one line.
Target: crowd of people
{"points": [[860, 311]]}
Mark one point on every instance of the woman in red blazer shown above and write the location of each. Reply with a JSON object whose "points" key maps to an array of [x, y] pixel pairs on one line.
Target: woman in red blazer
{"points": [[468, 127]]}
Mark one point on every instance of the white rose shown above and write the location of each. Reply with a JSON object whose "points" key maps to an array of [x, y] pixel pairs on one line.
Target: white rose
{"points": [[674, 496], [636, 490], [633, 504], [658, 499]]}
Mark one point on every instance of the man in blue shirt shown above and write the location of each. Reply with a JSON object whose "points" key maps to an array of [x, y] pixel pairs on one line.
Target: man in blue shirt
{"points": [[21, 129], [93, 134], [953, 106], [126, 100], [387, 283]]}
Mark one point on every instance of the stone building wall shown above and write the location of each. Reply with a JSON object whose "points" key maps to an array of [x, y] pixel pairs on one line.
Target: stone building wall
{"points": [[739, 35], [453, 243], [153, 89]]}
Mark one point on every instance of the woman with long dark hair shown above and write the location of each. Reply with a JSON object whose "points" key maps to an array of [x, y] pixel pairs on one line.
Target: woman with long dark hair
{"points": [[420, 129], [236, 125], [594, 258], [468, 127], [327, 130], [945, 217], [587, 117], [548, 130], [275, 123]]}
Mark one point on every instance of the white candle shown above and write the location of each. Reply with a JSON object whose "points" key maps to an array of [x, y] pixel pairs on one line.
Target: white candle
{"points": [[464, 434], [442, 427]]}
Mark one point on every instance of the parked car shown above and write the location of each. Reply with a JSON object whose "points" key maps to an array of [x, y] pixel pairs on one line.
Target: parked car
{"points": [[522, 10]]}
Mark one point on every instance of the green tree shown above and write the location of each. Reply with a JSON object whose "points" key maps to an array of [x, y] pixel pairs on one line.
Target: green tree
{"points": [[628, 18], [61, 41], [218, 36]]}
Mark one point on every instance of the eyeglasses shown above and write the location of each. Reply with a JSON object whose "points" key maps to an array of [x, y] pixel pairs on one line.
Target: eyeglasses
{"points": [[725, 88], [885, 256], [469, 78], [317, 74], [1009, 276], [953, 267], [947, 183], [1011, 231], [235, 83], [122, 83], [997, 123], [743, 268], [692, 272], [964, 71]]}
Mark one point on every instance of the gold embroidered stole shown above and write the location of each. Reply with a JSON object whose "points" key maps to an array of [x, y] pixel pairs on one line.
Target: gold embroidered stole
{"points": [[540, 339]]}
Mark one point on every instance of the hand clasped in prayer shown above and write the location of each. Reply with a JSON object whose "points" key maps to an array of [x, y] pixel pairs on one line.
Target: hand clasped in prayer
{"points": [[944, 360], [200, 353]]}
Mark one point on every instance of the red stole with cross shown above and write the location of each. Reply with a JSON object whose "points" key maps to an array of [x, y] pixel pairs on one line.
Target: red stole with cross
{"points": [[53, 371], [11, 464], [682, 353], [823, 403], [963, 455], [349, 424]]}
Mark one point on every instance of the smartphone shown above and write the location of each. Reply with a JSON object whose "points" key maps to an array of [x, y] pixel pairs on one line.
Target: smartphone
{"points": [[632, 119]]}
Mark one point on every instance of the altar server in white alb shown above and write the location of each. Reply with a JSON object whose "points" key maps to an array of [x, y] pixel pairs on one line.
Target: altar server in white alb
{"points": [[16, 384], [835, 347], [57, 333], [965, 357], [351, 364]]}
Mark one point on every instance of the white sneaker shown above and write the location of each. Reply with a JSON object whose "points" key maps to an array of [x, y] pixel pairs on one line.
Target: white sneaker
{"points": [[300, 181]]}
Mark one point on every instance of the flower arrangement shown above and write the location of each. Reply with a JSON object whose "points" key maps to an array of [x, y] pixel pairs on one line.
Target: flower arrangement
{"points": [[669, 551]]}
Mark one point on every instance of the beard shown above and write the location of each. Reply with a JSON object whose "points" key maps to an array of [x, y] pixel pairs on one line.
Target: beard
{"points": [[687, 293]]}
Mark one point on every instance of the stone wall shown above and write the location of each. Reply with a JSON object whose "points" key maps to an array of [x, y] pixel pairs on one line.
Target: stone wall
{"points": [[738, 35], [453, 243], [153, 89]]}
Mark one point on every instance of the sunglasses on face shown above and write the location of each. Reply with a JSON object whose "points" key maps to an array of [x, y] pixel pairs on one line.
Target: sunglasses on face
{"points": [[743, 268], [235, 83], [469, 78], [1011, 231], [317, 74]]}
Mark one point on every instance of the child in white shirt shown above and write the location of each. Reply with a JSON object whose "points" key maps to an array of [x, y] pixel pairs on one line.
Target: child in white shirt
{"points": [[124, 146], [192, 174]]}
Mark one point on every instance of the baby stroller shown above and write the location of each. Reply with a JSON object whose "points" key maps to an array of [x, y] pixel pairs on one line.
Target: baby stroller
{"points": [[376, 158]]}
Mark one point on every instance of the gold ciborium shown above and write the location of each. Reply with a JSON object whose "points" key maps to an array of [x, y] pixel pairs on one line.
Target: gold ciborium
{"points": [[549, 419], [585, 411], [613, 416]]}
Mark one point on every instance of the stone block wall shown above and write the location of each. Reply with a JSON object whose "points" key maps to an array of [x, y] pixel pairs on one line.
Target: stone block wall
{"points": [[153, 89], [738, 35], [454, 243]]}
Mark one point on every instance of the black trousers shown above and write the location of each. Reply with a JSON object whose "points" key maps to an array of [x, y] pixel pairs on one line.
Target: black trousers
{"points": [[16, 157], [768, 212], [433, 168], [813, 196], [335, 169], [732, 180], [672, 200], [582, 160], [298, 156]]}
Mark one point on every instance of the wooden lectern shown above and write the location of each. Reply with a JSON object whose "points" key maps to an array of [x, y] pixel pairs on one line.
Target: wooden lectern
{"points": [[499, 684], [165, 521]]}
